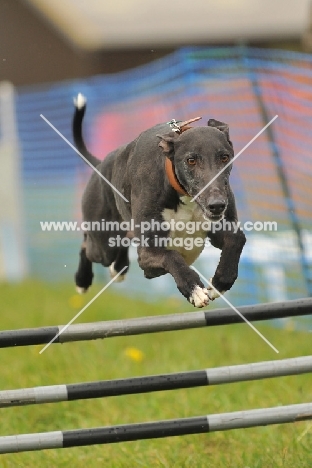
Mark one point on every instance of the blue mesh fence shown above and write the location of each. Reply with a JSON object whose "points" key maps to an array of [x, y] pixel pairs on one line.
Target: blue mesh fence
{"points": [[244, 87]]}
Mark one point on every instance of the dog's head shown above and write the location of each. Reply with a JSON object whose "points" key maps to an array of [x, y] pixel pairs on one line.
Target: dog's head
{"points": [[199, 156]]}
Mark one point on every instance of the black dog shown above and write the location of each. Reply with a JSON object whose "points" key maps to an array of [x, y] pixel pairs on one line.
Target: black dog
{"points": [[158, 173]]}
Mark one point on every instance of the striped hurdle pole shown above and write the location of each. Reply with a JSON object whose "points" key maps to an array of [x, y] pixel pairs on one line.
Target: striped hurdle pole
{"points": [[154, 383], [156, 429], [153, 324]]}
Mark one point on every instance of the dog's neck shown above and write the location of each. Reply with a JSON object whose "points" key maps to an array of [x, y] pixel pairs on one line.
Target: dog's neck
{"points": [[172, 178]]}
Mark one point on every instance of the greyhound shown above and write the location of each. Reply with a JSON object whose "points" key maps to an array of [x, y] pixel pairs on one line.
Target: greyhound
{"points": [[158, 173]]}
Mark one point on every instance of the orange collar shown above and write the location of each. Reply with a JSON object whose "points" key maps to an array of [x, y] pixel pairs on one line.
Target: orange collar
{"points": [[173, 181]]}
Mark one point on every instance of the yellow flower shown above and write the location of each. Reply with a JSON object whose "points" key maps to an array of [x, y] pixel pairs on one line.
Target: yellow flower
{"points": [[76, 301], [134, 354]]}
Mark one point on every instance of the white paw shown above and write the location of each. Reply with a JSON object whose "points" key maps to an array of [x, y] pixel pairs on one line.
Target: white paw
{"points": [[213, 293], [199, 297], [80, 101], [114, 273], [81, 290]]}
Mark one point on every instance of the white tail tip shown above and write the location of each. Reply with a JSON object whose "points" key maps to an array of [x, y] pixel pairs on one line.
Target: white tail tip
{"points": [[80, 101]]}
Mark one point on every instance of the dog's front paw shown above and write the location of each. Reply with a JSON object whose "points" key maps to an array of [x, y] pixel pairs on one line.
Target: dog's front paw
{"points": [[199, 297], [212, 292]]}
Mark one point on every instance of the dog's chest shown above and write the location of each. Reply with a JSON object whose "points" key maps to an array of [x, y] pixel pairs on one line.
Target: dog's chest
{"points": [[189, 242]]}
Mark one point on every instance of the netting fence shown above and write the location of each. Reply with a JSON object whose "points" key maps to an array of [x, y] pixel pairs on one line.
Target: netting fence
{"points": [[244, 87]]}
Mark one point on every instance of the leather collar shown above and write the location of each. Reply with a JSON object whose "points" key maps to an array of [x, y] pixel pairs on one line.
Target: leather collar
{"points": [[173, 180]]}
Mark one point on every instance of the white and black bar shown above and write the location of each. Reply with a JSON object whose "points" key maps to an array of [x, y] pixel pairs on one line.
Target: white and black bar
{"points": [[153, 324], [156, 429], [155, 383]]}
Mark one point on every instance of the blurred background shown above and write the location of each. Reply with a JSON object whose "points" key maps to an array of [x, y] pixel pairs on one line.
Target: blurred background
{"points": [[140, 63]]}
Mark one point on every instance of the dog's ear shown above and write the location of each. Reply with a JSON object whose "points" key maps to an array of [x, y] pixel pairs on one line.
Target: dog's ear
{"points": [[167, 142], [223, 127]]}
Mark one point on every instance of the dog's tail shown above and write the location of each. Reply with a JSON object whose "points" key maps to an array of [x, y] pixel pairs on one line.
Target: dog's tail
{"points": [[80, 104]]}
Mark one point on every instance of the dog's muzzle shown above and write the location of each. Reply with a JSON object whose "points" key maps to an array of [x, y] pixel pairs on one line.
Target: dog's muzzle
{"points": [[214, 210], [213, 218]]}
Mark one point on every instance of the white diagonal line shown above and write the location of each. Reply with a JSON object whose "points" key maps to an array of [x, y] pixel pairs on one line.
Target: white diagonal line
{"points": [[82, 156], [235, 310], [82, 310], [307, 429], [238, 154]]}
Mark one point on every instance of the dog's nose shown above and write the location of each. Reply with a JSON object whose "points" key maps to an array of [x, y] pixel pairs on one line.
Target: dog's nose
{"points": [[217, 206]]}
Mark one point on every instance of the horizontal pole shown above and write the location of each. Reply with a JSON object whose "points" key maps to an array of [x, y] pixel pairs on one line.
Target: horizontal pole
{"points": [[154, 383], [154, 324], [156, 429]]}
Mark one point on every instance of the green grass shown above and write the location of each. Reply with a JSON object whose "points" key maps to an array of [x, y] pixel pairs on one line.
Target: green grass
{"points": [[32, 304]]}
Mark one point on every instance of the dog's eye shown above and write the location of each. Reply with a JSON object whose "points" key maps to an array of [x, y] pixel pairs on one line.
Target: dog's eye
{"points": [[225, 158], [191, 161]]}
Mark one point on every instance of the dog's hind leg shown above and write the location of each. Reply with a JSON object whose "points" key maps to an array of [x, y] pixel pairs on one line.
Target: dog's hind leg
{"points": [[84, 274]]}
